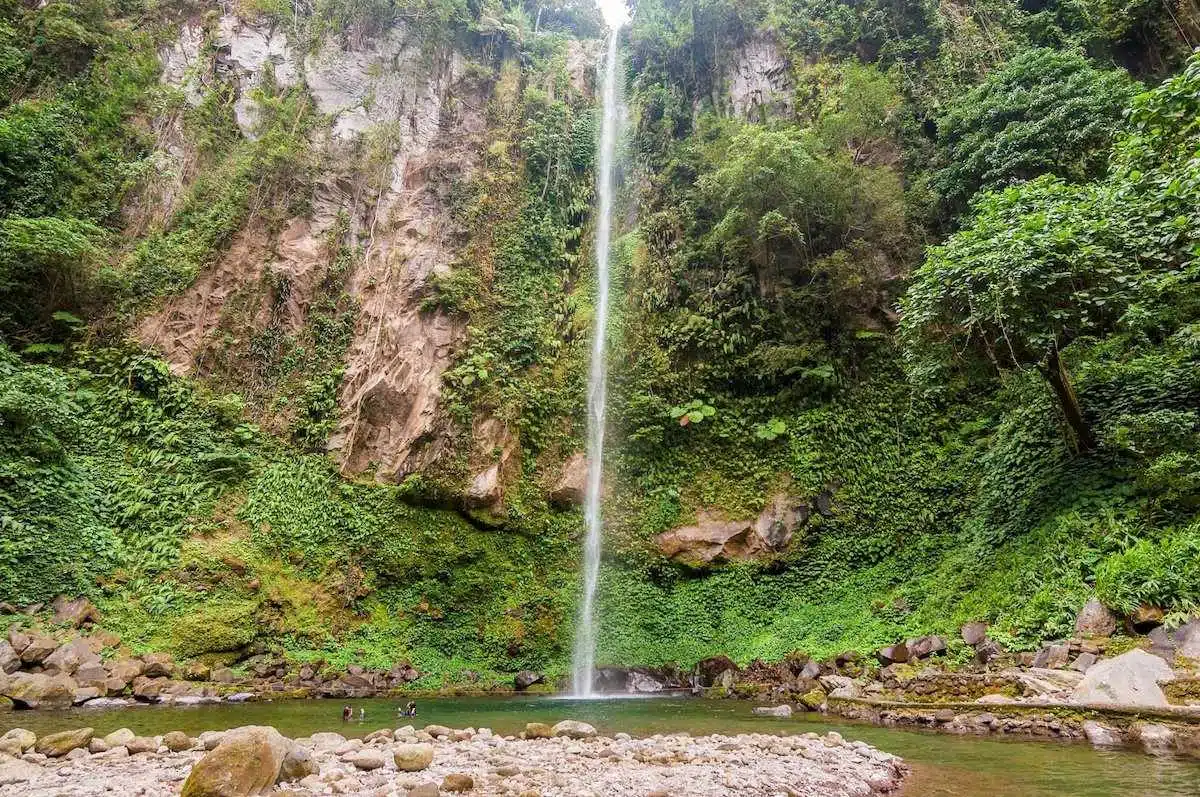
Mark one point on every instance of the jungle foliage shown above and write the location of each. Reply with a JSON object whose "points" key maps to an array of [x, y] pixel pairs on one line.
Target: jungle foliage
{"points": [[941, 287]]}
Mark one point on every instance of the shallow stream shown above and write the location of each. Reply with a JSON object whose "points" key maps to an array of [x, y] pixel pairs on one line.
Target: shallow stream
{"points": [[943, 765]]}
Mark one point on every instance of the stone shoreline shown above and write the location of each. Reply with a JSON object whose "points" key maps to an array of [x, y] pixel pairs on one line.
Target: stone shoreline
{"points": [[568, 760]]}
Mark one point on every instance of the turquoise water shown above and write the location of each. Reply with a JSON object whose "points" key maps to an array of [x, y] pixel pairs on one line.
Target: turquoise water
{"points": [[943, 765]]}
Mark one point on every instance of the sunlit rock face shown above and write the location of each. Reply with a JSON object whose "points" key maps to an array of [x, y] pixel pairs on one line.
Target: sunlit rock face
{"points": [[404, 124]]}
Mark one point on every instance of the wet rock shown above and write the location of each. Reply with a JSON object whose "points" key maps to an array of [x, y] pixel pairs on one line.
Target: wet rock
{"points": [[1131, 679], [56, 745], [1101, 735], [773, 711], [75, 613], [1095, 620], [974, 633], [525, 679], [571, 486], [573, 729], [248, 761], [1154, 738], [412, 757]]}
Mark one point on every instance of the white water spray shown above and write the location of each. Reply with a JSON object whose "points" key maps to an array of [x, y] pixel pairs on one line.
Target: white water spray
{"points": [[583, 663]]}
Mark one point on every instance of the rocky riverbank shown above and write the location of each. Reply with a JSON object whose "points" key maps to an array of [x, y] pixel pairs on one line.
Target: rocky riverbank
{"points": [[569, 758]]}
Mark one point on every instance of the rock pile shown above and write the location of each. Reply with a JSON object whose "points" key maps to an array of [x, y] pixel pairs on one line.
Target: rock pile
{"points": [[571, 760]]}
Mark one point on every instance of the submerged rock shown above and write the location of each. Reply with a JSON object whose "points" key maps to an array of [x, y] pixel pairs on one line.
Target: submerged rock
{"points": [[773, 711]]}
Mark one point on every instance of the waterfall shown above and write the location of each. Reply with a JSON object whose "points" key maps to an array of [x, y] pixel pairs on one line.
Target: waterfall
{"points": [[583, 663]]}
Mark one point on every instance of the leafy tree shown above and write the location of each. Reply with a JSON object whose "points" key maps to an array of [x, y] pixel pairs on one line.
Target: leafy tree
{"points": [[1045, 111], [1046, 263]]}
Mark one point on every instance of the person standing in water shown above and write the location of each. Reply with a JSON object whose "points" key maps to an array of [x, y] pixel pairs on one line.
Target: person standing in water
{"points": [[347, 713], [410, 710]]}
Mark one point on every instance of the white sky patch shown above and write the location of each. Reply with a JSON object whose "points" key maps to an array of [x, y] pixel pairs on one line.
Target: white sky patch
{"points": [[614, 11]]}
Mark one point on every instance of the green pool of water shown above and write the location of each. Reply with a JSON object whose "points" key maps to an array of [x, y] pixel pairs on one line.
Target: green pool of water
{"points": [[949, 766]]}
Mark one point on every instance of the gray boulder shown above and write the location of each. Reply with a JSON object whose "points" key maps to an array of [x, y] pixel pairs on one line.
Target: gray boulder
{"points": [[1131, 679], [1095, 620], [526, 679], [773, 711], [974, 633]]}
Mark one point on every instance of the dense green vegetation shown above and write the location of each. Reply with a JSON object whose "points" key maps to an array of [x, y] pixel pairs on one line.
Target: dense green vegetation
{"points": [[948, 280]]}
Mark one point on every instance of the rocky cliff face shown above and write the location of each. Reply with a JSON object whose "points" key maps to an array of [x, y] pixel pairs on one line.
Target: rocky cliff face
{"points": [[404, 125]]}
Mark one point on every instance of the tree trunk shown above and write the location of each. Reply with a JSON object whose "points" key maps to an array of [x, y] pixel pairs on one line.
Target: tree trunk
{"points": [[1060, 382]]}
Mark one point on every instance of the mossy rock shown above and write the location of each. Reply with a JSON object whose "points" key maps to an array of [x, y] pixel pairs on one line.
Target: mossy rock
{"points": [[217, 628], [813, 699]]}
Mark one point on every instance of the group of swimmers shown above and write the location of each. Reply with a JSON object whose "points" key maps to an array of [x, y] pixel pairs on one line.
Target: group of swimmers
{"points": [[348, 711]]}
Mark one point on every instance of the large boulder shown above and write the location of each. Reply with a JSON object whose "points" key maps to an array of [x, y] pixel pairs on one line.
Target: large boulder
{"points": [[69, 657], [974, 633], [713, 540], [125, 669], [56, 745], [772, 711], [1095, 620], [158, 665], [38, 648], [75, 613], [412, 757], [36, 690], [573, 729], [120, 738], [1131, 679], [247, 761], [571, 487], [538, 730]]}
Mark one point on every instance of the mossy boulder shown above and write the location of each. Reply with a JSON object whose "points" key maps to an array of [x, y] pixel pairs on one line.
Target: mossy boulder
{"points": [[217, 628], [247, 761], [56, 745], [813, 699]]}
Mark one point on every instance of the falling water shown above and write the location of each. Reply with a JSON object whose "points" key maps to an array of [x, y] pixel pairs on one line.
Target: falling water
{"points": [[583, 664]]}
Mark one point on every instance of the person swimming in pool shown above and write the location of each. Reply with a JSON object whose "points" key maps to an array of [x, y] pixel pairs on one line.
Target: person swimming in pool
{"points": [[410, 710]]}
